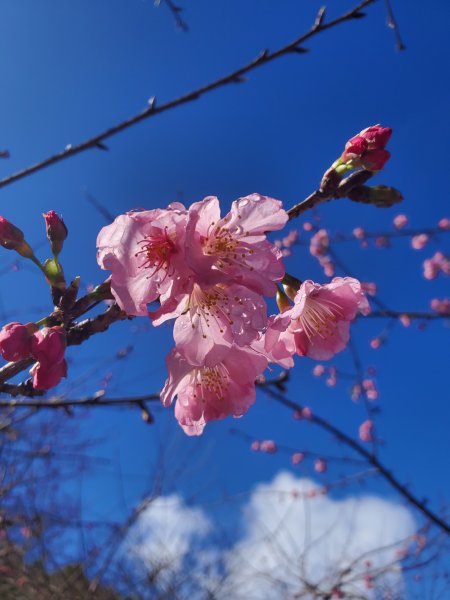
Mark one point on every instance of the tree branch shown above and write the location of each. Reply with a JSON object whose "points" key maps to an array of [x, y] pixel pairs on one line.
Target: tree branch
{"points": [[368, 456], [237, 76]]}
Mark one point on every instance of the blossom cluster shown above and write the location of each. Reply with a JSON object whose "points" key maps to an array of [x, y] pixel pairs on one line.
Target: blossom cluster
{"points": [[210, 274], [46, 346]]}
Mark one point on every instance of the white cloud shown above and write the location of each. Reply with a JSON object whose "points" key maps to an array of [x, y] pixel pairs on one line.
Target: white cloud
{"points": [[288, 539]]}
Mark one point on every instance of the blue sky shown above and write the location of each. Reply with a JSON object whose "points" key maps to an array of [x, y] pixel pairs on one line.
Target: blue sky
{"points": [[70, 70]]}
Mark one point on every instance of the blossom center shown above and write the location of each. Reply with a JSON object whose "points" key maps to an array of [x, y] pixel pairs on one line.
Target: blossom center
{"points": [[156, 250], [227, 247], [319, 317], [212, 380]]}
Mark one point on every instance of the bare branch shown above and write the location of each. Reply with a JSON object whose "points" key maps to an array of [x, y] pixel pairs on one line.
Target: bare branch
{"points": [[153, 110]]}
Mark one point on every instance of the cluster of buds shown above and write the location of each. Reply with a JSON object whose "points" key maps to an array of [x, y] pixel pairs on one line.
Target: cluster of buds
{"points": [[365, 151], [47, 346], [210, 274]]}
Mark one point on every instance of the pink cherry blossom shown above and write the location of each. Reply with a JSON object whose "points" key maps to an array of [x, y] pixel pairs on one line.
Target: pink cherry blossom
{"points": [[297, 458], [145, 252], [318, 370], [211, 392], [234, 248], [438, 263], [405, 320], [359, 233], [441, 306], [15, 341], [269, 446], [444, 223], [366, 431], [331, 380], [400, 221], [419, 241], [369, 288], [320, 465], [375, 343], [319, 322], [214, 318], [319, 243]]}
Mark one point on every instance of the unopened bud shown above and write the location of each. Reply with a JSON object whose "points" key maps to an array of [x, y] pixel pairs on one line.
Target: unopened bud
{"points": [[56, 231], [282, 301], [12, 238], [54, 273]]}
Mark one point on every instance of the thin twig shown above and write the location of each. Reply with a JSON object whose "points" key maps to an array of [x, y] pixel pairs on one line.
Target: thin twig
{"points": [[395, 314], [96, 401], [368, 456], [237, 76], [176, 10], [392, 24]]}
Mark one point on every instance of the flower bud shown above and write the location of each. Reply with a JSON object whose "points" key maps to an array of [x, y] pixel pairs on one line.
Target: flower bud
{"points": [[374, 160], [12, 238], [54, 274], [48, 345], [47, 376], [15, 341], [56, 231], [381, 196]]}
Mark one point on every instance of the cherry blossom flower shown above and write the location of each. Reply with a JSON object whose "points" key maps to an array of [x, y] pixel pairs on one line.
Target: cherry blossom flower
{"points": [[400, 221], [215, 317], [297, 458], [145, 252], [214, 392], [268, 446], [438, 263], [319, 322], [234, 248], [444, 223], [320, 465], [441, 306], [366, 431], [419, 241]]}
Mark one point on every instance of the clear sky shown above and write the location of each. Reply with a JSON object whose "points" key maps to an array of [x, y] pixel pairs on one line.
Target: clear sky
{"points": [[71, 69]]}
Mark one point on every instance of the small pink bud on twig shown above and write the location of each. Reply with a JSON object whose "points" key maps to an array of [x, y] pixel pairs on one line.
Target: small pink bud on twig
{"points": [[56, 231]]}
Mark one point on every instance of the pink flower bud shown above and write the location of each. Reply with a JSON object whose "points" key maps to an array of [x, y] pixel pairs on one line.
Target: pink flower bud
{"points": [[15, 341], [405, 320], [297, 458], [354, 148], [268, 446], [359, 233], [374, 160], [366, 431], [47, 375], [375, 343], [419, 241], [306, 412], [441, 306], [318, 370], [11, 237], [255, 446], [400, 221], [307, 226], [444, 224], [48, 345], [56, 230], [320, 465], [376, 136]]}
